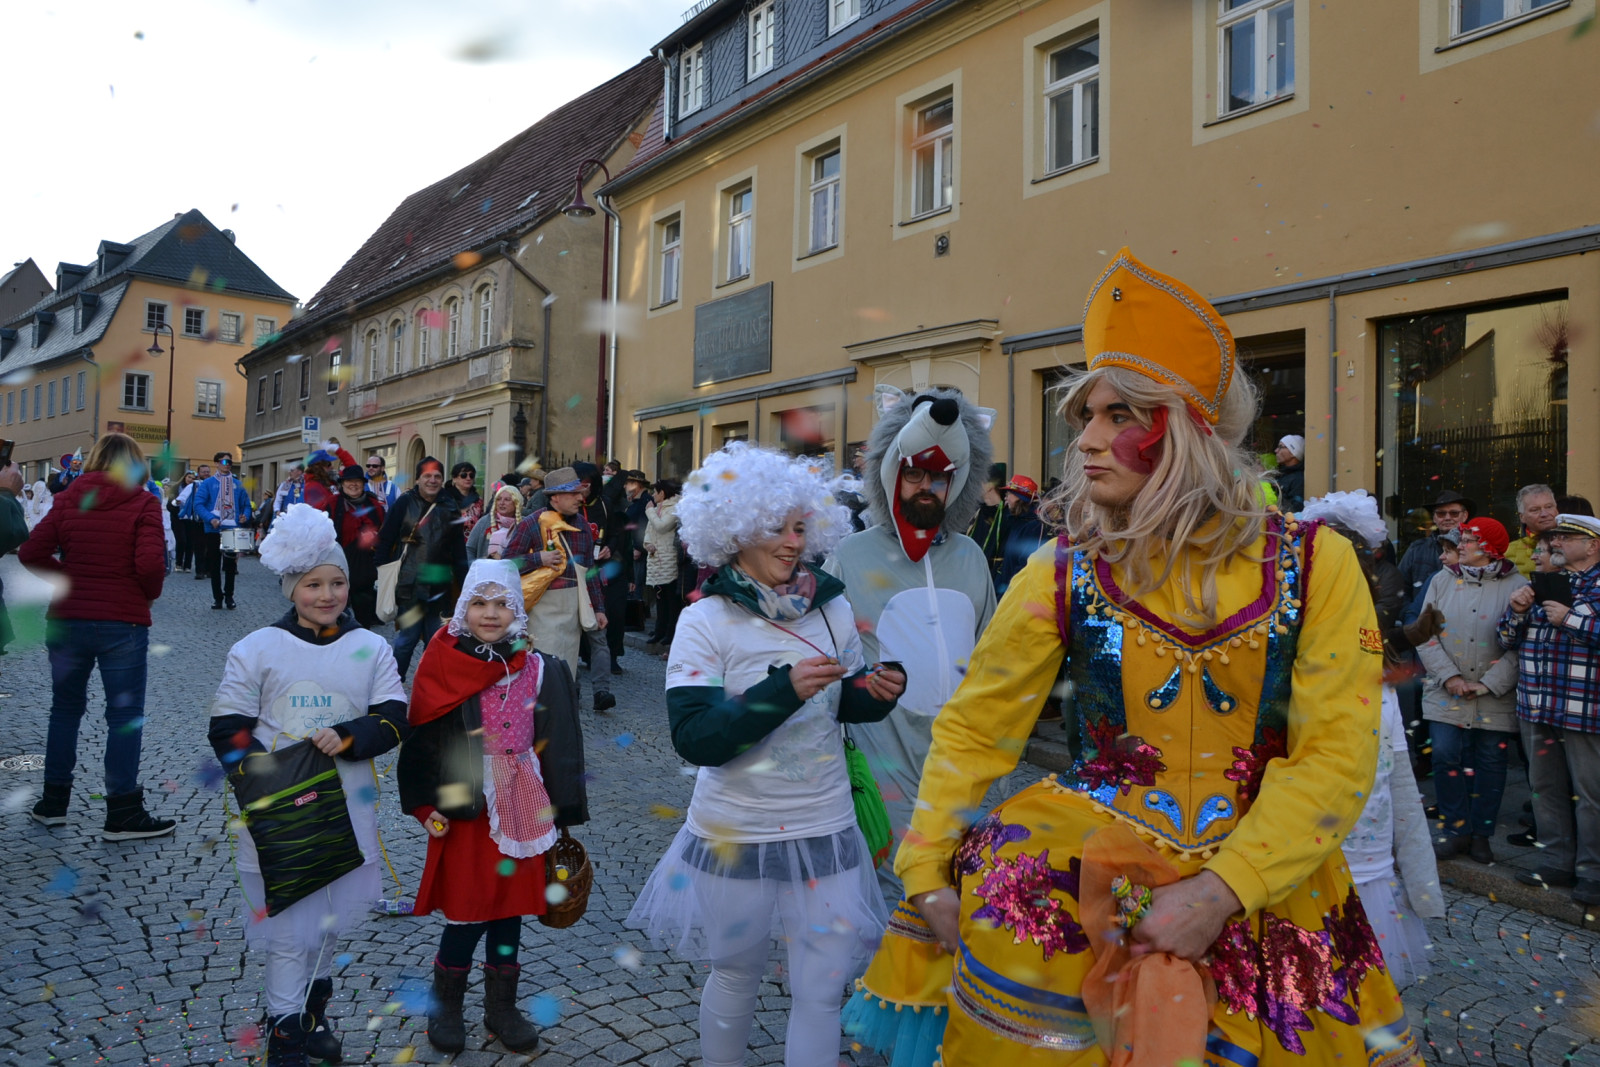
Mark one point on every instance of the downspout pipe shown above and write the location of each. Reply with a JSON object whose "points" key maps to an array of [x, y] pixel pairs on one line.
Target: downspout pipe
{"points": [[1333, 388], [614, 247], [509, 252], [87, 355]]}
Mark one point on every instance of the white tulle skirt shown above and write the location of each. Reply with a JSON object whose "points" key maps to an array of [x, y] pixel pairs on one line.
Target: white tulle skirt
{"points": [[714, 900], [1400, 931], [313, 923]]}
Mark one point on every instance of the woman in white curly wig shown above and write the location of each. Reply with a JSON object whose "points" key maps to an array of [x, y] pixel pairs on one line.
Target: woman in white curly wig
{"points": [[314, 675], [764, 668]]}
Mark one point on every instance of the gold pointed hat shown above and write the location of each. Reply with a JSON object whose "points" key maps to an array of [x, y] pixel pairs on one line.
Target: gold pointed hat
{"points": [[1141, 319]]}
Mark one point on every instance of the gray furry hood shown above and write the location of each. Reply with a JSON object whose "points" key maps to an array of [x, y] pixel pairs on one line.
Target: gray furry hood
{"points": [[912, 423]]}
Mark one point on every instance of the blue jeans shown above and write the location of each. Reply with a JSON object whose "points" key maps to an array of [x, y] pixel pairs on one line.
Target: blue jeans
{"points": [[76, 647], [1469, 803], [407, 638]]}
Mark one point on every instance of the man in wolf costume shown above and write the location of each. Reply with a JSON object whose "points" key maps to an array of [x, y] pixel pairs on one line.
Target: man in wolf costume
{"points": [[919, 586]]}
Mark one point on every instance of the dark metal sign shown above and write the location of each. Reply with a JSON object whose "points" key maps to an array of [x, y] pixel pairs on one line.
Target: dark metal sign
{"points": [[733, 336]]}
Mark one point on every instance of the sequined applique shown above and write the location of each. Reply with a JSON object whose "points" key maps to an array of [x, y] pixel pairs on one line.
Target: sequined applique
{"points": [[1355, 946], [1235, 967], [1298, 979], [1017, 896], [1164, 802], [1119, 760], [1221, 702], [988, 833], [1214, 807], [1250, 764], [1166, 694]]}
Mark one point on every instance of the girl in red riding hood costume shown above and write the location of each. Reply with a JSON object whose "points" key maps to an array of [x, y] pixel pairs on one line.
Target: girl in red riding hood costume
{"points": [[494, 769]]}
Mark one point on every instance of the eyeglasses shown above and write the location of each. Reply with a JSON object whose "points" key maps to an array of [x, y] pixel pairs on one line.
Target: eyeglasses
{"points": [[917, 476], [374, 466]]}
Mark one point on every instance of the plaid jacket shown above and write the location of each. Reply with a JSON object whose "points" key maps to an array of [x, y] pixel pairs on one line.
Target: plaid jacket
{"points": [[1558, 683], [524, 540]]}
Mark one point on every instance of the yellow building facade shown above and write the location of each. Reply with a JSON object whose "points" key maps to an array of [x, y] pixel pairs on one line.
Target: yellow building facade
{"points": [[1389, 203]]}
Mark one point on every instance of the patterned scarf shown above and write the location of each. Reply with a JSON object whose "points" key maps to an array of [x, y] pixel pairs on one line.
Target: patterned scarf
{"points": [[788, 601], [225, 498]]}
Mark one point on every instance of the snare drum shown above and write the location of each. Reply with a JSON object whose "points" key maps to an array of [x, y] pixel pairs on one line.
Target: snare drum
{"points": [[238, 539]]}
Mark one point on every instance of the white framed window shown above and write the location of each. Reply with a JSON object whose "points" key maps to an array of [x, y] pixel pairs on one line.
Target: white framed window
{"points": [[691, 80], [1255, 52], [933, 132], [155, 314], [671, 231], [265, 328], [760, 51], [741, 202], [11, 407], [22, 404], [335, 366], [485, 315], [135, 392], [1072, 104], [208, 399], [841, 13], [1470, 16], [277, 389], [50, 395], [261, 395], [374, 357], [82, 388], [452, 328], [194, 322], [230, 327], [397, 337], [424, 338], [305, 377], [66, 394], [824, 198], [38, 399]]}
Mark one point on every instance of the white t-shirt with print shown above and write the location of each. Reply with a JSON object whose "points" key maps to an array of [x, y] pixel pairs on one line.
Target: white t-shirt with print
{"points": [[294, 688], [792, 783]]}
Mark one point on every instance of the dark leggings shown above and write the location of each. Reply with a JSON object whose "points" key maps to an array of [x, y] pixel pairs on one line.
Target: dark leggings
{"points": [[458, 941]]}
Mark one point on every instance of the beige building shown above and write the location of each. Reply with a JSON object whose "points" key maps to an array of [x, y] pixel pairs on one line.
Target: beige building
{"points": [[468, 326], [1390, 203], [78, 362]]}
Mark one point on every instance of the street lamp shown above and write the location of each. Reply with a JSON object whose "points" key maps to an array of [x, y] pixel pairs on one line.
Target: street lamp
{"points": [[578, 210], [155, 349]]}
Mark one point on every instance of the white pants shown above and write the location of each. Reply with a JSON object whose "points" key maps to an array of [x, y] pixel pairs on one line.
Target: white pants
{"points": [[301, 941], [821, 963]]}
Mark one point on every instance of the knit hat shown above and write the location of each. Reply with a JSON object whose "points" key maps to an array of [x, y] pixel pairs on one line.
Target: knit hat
{"points": [[1583, 525], [492, 579], [301, 540], [1295, 444], [1157, 326], [1490, 534], [353, 473]]}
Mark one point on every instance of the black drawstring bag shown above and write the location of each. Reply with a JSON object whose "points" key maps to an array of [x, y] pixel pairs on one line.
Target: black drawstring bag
{"points": [[293, 804]]}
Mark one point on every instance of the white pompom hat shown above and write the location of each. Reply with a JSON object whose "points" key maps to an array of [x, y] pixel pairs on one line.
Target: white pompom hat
{"points": [[301, 540]]}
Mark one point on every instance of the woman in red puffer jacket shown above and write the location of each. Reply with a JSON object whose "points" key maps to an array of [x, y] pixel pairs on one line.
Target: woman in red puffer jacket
{"points": [[103, 547]]}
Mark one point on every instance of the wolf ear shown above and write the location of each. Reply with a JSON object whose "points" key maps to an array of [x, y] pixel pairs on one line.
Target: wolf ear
{"points": [[885, 398], [985, 417]]}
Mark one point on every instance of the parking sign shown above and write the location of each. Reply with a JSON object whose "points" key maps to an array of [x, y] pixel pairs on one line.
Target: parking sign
{"points": [[311, 429]]}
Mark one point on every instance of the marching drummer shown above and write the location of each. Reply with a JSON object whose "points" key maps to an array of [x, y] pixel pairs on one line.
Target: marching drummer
{"points": [[223, 505]]}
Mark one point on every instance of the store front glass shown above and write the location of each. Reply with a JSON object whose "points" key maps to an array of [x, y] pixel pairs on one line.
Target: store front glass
{"points": [[1473, 400], [470, 447]]}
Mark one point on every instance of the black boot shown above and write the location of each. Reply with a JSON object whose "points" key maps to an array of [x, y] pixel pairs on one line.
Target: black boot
{"points": [[321, 1042], [126, 819], [447, 1031], [52, 807], [501, 1016], [286, 1043]]}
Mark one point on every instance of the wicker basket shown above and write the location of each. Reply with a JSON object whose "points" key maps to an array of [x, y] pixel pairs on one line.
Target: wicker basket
{"points": [[568, 854]]}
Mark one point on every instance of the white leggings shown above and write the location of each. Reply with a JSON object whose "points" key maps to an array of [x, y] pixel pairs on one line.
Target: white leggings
{"points": [[290, 969], [821, 962]]}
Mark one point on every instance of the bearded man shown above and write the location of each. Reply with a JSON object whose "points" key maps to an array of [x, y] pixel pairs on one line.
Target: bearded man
{"points": [[919, 586]]}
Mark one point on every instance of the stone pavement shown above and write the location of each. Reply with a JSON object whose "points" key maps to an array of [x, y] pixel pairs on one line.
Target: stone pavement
{"points": [[133, 953]]}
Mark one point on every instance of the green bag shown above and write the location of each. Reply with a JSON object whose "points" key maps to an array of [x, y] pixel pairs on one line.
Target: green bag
{"points": [[872, 815]]}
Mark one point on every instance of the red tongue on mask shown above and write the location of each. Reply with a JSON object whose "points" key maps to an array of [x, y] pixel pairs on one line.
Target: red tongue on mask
{"points": [[915, 540]]}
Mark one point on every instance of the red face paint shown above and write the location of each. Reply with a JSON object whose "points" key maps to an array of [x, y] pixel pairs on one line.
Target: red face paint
{"points": [[1138, 449]]}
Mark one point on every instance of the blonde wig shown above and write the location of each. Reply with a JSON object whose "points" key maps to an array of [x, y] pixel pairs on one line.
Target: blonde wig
{"points": [[1199, 477]]}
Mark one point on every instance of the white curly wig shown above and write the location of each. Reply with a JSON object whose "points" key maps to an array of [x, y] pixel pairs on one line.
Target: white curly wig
{"points": [[742, 493], [1354, 510]]}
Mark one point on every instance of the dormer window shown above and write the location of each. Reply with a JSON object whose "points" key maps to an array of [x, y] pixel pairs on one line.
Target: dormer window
{"points": [[763, 40], [691, 80]]}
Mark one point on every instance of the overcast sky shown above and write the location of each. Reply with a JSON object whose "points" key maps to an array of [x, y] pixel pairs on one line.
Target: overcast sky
{"points": [[298, 124]]}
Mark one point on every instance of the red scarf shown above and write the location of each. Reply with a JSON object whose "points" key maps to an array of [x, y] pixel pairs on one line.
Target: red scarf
{"points": [[447, 677]]}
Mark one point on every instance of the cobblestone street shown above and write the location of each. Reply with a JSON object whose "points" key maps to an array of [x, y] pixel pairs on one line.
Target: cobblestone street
{"points": [[133, 952]]}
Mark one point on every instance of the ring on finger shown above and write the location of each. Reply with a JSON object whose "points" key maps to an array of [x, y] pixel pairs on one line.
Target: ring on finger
{"points": [[1133, 901]]}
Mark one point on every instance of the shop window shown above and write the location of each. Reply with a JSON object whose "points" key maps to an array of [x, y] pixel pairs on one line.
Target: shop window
{"points": [[469, 447], [1276, 364], [674, 450], [1471, 400], [807, 431]]}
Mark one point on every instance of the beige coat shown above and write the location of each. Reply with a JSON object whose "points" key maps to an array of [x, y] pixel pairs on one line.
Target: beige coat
{"points": [[661, 531], [1472, 608]]}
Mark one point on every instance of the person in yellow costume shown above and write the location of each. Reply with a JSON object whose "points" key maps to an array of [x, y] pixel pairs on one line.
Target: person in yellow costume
{"points": [[1179, 895]]}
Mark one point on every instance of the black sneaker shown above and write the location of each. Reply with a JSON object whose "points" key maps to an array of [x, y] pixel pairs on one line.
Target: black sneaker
{"points": [[126, 819], [1527, 840], [616, 668], [1587, 891], [216, 605], [231, 604], [1480, 850], [1546, 879], [52, 807], [1447, 847], [603, 700]]}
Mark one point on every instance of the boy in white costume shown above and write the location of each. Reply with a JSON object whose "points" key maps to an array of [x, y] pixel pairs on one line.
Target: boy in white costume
{"points": [[314, 674]]}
